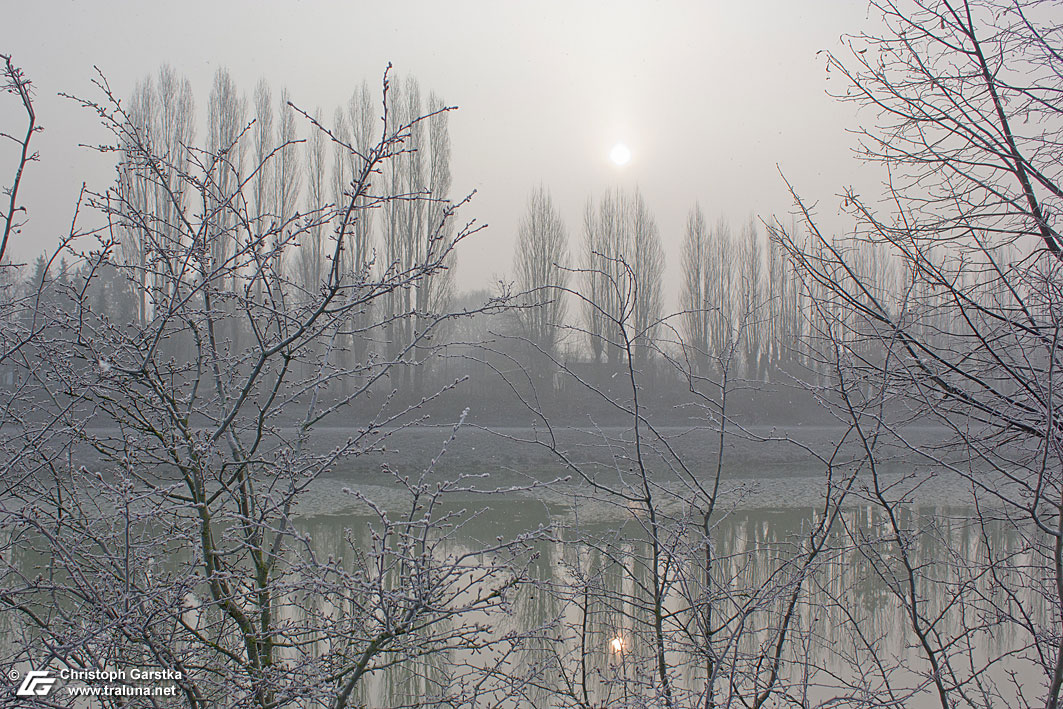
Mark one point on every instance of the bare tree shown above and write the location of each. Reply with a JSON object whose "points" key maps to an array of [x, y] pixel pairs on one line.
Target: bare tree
{"points": [[723, 266], [623, 235], [658, 608], [540, 266], [162, 109], [710, 297], [694, 298], [434, 295], [363, 121], [966, 96], [364, 124], [226, 123], [174, 544], [16, 83], [648, 267], [286, 181], [412, 229], [595, 286], [785, 296], [311, 256], [136, 188], [751, 299], [263, 146], [16, 330]]}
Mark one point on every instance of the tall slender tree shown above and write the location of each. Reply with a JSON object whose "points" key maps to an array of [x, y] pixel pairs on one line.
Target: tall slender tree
{"points": [[694, 297], [262, 145], [311, 256], [226, 124], [161, 114], [751, 300], [540, 266], [364, 131], [287, 180], [648, 267], [623, 272], [413, 229]]}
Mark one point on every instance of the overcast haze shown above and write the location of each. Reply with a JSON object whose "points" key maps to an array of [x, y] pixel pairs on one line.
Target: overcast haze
{"points": [[274, 441], [709, 96]]}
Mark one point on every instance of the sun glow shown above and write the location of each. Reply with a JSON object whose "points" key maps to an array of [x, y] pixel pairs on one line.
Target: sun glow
{"points": [[617, 644], [620, 154]]}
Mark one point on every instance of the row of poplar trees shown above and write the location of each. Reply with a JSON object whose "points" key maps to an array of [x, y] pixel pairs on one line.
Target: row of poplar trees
{"points": [[288, 173], [738, 296], [739, 299]]}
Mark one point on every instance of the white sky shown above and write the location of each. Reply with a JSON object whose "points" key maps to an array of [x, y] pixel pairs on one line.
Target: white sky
{"points": [[710, 96]]}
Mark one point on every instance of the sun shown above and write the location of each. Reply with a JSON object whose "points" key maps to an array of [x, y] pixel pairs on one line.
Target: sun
{"points": [[620, 154]]}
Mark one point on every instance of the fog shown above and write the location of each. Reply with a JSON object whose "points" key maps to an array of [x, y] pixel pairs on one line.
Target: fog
{"points": [[481, 356], [713, 98]]}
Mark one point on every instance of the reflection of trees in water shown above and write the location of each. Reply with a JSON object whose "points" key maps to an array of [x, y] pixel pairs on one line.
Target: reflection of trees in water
{"points": [[586, 594], [850, 634], [849, 637], [406, 674]]}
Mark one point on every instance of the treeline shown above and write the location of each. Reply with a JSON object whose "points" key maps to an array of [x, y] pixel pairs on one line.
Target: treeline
{"points": [[275, 175], [743, 306], [268, 197]]}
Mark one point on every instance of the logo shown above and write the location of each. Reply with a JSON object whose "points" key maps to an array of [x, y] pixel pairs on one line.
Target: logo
{"points": [[36, 684]]}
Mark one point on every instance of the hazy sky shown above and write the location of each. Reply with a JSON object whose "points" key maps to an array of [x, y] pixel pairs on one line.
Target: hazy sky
{"points": [[710, 96]]}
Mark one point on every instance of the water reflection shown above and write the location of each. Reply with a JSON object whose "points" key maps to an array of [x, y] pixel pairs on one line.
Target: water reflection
{"points": [[600, 612], [586, 627]]}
